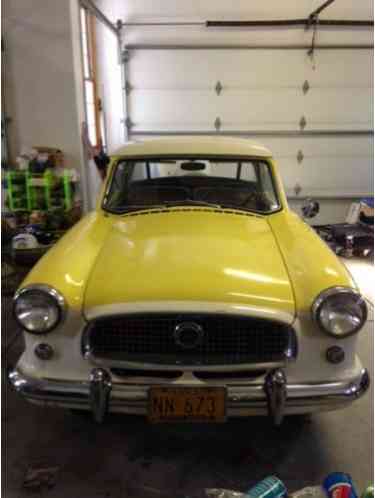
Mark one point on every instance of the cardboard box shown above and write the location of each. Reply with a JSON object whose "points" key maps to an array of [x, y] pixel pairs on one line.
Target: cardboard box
{"points": [[55, 155]]}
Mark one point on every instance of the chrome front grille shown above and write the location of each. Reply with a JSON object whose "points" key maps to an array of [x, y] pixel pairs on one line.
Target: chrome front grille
{"points": [[222, 340]]}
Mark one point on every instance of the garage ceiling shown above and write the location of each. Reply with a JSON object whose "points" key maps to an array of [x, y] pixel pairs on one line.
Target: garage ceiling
{"points": [[133, 11]]}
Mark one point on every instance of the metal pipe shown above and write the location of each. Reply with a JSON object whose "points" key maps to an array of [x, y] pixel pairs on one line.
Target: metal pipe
{"points": [[346, 22], [248, 47], [93, 9], [164, 23], [256, 23], [123, 60], [287, 22], [86, 191], [320, 9], [251, 133]]}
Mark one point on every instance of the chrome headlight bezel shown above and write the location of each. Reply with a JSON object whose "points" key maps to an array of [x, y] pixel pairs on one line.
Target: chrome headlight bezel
{"points": [[327, 294], [54, 297]]}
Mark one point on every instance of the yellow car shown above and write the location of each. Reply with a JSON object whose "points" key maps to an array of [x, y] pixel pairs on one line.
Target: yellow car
{"points": [[191, 293]]}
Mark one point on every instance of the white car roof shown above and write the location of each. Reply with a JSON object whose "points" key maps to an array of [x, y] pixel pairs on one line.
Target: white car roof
{"points": [[230, 146]]}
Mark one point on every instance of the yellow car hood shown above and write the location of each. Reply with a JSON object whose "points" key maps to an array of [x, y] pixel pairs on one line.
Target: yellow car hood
{"points": [[189, 255]]}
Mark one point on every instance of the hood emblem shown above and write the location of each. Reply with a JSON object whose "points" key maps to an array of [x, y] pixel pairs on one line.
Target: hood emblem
{"points": [[188, 335]]}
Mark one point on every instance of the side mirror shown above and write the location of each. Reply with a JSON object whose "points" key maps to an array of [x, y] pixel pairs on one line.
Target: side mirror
{"points": [[102, 161], [310, 208]]}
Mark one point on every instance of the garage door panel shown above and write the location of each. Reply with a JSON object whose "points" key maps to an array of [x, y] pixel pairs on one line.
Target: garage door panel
{"points": [[262, 90], [259, 110], [343, 69], [184, 110], [344, 175], [315, 147], [201, 69], [331, 166], [216, 36]]}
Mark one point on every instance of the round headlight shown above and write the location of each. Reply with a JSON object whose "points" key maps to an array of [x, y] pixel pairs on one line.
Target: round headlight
{"points": [[340, 311], [38, 308]]}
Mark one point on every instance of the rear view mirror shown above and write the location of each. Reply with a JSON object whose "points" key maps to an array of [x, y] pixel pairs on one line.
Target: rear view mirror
{"points": [[193, 166], [310, 208]]}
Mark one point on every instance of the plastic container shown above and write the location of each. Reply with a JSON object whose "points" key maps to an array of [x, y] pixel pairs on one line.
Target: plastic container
{"points": [[270, 487]]}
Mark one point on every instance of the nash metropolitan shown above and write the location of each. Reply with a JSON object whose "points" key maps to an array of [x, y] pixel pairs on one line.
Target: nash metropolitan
{"points": [[191, 293]]}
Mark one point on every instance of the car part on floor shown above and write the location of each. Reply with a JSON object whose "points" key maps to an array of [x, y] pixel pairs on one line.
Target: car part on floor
{"points": [[348, 240]]}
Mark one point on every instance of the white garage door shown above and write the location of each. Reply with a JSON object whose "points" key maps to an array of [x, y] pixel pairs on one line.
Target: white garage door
{"points": [[315, 115]]}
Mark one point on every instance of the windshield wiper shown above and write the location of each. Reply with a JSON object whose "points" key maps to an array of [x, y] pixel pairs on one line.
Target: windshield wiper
{"points": [[187, 202], [236, 207], [166, 204], [131, 207]]}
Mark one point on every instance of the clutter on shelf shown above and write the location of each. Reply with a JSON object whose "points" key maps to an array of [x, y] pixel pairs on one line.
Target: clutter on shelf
{"points": [[40, 181], [42, 201], [37, 231]]}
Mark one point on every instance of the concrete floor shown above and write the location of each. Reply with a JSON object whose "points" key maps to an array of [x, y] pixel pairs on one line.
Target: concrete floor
{"points": [[126, 457]]}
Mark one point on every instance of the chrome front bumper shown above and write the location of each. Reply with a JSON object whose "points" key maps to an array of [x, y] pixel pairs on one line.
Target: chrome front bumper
{"points": [[274, 397]]}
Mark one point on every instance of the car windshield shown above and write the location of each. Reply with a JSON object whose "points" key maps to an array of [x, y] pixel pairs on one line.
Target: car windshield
{"points": [[221, 183]]}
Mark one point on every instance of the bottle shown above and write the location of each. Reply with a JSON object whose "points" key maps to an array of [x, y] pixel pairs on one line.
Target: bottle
{"points": [[368, 492], [270, 487], [310, 492], [339, 485]]}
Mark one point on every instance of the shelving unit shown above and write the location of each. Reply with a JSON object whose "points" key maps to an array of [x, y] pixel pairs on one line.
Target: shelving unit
{"points": [[41, 192], [15, 184]]}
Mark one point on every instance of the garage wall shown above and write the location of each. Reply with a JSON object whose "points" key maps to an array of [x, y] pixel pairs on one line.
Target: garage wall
{"points": [[109, 80], [41, 99], [173, 91]]}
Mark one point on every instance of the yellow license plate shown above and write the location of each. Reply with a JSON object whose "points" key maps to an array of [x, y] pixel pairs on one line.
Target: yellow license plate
{"points": [[187, 404]]}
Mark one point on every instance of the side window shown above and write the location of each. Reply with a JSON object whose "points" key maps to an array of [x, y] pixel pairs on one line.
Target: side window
{"points": [[267, 184], [119, 184], [248, 172]]}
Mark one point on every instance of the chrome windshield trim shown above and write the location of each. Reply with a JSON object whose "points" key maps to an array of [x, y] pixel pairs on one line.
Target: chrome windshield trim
{"points": [[223, 157]]}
